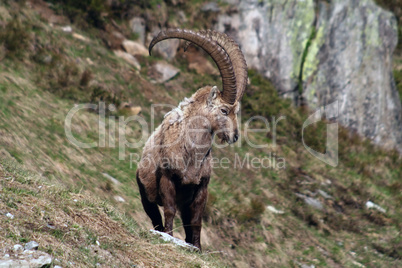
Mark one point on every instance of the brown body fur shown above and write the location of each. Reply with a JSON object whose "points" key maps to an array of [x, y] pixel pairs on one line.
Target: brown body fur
{"points": [[175, 167]]}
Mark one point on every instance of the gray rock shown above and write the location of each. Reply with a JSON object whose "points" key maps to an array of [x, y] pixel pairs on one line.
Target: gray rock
{"points": [[350, 60], [137, 26], [348, 48], [67, 29], [134, 48], [307, 266], [163, 71], [274, 210], [370, 205], [31, 245], [28, 258], [119, 199], [41, 261], [50, 226], [181, 16], [273, 36], [167, 48], [210, 7], [168, 238], [6, 263], [315, 203], [115, 181], [325, 194], [18, 247], [231, 2], [128, 58]]}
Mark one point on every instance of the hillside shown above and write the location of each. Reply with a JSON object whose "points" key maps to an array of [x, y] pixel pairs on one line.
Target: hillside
{"points": [[78, 229], [301, 213]]}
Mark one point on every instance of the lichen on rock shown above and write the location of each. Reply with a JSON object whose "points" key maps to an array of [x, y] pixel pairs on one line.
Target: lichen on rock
{"points": [[350, 61], [326, 51]]}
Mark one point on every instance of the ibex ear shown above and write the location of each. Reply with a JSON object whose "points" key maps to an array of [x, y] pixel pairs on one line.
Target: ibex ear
{"points": [[212, 96]]}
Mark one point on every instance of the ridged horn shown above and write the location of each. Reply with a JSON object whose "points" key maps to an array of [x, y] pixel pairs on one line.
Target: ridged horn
{"points": [[218, 54], [235, 55]]}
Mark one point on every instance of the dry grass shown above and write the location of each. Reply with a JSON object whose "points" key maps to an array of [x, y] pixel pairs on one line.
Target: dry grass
{"points": [[77, 229]]}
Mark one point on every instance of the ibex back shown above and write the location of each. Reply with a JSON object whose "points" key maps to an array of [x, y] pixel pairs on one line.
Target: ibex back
{"points": [[175, 167]]}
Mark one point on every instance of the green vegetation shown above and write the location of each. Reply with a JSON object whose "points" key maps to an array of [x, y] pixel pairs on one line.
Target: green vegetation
{"points": [[94, 233], [41, 81], [15, 37], [398, 81]]}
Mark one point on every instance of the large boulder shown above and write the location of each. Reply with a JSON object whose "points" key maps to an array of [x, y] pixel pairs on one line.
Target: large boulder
{"points": [[321, 52], [134, 48], [273, 36], [166, 49], [162, 71], [350, 61], [128, 58]]}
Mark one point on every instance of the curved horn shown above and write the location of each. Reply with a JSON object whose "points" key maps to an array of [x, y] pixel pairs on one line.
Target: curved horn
{"points": [[217, 53], [235, 55]]}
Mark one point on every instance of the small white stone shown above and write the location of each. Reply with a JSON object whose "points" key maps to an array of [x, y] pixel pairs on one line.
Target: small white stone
{"points": [[31, 245], [128, 58], [115, 181], [358, 264], [168, 238], [370, 205], [119, 199], [325, 194], [274, 210], [79, 37], [9, 215], [67, 29], [18, 247]]}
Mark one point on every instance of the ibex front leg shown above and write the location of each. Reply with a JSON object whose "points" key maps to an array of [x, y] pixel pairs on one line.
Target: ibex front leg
{"points": [[194, 217], [168, 195]]}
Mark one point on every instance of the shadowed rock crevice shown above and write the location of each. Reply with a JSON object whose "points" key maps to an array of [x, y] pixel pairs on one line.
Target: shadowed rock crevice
{"points": [[298, 100]]}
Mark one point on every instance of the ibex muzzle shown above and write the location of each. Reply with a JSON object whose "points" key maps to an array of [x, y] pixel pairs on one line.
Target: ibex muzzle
{"points": [[175, 167]]}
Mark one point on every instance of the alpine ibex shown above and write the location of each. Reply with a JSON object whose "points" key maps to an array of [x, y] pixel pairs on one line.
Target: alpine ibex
{"points": [[175, 167]]}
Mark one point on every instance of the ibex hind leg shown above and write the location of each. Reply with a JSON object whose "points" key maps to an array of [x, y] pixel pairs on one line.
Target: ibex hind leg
{"points": [[151, 209]]}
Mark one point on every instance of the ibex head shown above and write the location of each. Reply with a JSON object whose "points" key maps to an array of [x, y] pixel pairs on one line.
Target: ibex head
{"points": [[221, 106]]}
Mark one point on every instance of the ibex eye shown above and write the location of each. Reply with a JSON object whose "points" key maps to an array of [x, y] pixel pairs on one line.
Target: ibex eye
{"points": [[224, 111]]}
